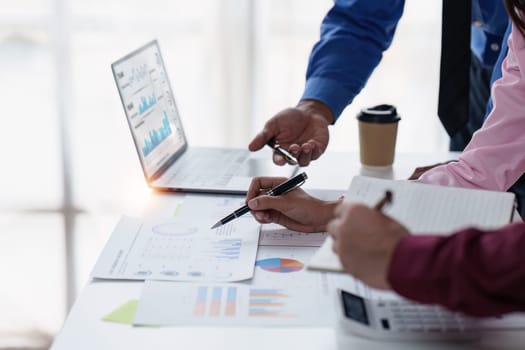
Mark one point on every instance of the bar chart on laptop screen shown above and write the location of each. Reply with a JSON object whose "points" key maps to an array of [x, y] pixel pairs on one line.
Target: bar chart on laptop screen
{"points": [[149, 106]]}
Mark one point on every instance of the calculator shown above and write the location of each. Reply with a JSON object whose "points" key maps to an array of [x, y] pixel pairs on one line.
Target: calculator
{"points": [[400, 320]]}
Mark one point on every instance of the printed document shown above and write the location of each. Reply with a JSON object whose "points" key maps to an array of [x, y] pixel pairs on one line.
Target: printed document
{"points": [[282, 293], [181, 249]]}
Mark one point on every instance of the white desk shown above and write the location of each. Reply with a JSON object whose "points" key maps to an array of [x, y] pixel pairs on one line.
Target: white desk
{"points": [[84, 328]]}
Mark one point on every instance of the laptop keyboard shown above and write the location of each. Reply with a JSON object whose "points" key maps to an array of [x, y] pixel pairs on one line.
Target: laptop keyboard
{"points": [[208, 168]]}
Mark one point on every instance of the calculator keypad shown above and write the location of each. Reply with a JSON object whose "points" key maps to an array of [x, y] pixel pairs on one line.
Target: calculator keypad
{"points": [[403, 316]]}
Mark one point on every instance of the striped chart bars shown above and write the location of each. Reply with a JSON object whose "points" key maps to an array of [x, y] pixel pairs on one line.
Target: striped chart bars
{"points": [[200, 304], [231, 302], [189, 304], [215, 306], [268, 303], [215, 302]]}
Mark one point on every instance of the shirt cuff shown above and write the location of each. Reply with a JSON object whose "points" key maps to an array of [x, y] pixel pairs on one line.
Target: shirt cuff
{"points": [[329, 92], [409, 272]]}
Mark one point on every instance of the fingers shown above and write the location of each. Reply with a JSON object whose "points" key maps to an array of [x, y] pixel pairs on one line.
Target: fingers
{"points": [[306, 152], [304, 158], [417, 173], [339, 210], [278, 159], [263, 217], [272, 216], [337, 224], [269, 132], [317, 150], [331, 228], [423, 169], [303, 153], [263, 184], [259, 141], [335, 247], [268, 203]]}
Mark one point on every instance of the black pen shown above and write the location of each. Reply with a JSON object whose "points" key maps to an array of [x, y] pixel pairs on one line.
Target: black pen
{"points": [[387, 199], [282, 152], [290, 184]]}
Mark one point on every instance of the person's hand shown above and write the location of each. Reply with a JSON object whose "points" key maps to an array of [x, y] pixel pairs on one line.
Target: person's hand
{"points": [[423, 169], [295, 210], [365, 240], [302, 131]]}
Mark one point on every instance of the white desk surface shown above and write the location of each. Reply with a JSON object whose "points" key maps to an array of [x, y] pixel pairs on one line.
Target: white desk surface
{"points": [[84, 328]]}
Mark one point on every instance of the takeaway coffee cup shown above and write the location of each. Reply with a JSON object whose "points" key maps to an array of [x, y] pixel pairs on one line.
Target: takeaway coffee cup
{"points": [[377, 135]]}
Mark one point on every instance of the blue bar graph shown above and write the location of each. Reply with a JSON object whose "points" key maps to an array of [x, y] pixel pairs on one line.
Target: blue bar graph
{"points": [[146, 102], [157, 136], [228, 249]]}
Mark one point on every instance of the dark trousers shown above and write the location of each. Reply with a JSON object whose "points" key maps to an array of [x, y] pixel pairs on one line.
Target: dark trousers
{"points": [[478, 97]]}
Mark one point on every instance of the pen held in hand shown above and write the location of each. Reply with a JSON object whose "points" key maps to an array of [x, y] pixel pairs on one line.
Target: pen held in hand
{"points": [[387, 199], [282, 152], [285, 187]]}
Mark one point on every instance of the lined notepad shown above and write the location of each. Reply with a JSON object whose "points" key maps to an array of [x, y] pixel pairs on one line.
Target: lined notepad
{"points": [[425, 209]]}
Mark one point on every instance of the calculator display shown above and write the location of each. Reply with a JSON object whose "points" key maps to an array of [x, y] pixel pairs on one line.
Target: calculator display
{"points": [[354, 307]]}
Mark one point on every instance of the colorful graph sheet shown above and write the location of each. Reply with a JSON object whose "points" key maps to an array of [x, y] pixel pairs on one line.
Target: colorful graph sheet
{"points": [[165, 303], [298, 297], [179, 250]]}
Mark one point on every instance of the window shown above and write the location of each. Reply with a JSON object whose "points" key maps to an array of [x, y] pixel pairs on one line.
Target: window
{"points": [[70, 168]]}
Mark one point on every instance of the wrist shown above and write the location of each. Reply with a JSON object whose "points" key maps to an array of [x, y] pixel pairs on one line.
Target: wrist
{"points": [[317, 108]]}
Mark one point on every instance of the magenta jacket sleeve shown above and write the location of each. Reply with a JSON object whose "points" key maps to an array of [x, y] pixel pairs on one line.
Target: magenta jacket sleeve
{"points": [[480, 273]]}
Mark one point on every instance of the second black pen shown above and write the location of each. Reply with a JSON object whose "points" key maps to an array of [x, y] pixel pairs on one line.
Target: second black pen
{"points": [[278, 190]]}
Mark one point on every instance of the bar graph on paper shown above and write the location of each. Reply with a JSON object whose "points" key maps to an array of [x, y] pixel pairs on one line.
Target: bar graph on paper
{"points": [[226, 249], [179, 250], [229, 304], [215, 302], [269, 303], [222, 302]]}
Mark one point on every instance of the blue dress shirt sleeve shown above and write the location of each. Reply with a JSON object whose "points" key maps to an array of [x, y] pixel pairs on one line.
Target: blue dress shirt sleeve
{"points": [[354, 35]]}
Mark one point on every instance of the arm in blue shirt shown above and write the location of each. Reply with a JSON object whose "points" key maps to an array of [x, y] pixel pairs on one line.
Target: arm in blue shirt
{"points": [[354, 35]]}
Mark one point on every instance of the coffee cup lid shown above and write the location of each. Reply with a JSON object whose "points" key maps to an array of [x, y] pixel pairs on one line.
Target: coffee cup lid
{"points": [[379, 114]]}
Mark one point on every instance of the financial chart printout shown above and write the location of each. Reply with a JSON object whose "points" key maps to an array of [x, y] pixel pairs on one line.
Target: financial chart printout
{"points": [[179, 250], [150, 108]]}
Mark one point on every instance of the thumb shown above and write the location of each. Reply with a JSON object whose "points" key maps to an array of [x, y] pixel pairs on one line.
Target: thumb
{"points": [[268, 133], [277, 203]]}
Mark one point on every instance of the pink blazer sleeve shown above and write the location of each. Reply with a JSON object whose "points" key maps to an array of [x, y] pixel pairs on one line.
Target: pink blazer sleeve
{"points": [[495, 157]]}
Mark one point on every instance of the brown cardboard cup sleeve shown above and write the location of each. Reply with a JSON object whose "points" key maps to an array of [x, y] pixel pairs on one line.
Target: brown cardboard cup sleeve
{"points": [[377, 135]]}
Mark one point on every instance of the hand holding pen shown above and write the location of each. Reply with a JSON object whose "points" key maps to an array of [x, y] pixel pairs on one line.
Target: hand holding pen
{"points": [[282, 188], [297, 210], [385, 200], [302, 131], [365, 240], [277, 149]]}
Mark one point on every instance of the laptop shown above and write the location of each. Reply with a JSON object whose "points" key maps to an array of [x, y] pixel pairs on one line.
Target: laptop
{"points": [[168, 162]]}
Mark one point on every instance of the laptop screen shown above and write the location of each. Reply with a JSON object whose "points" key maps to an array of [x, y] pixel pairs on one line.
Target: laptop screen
{"points": [[150, 108]]}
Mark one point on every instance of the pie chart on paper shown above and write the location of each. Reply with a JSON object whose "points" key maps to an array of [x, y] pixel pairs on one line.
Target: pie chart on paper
{"points": [[280, 265]]}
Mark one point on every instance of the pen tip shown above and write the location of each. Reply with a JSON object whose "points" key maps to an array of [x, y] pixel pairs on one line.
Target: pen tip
{"points": [[216, 225]]}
